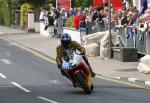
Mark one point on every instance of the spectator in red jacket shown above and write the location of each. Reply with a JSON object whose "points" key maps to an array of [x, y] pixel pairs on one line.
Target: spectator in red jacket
{"points": [[77, 20], [82, 21]]}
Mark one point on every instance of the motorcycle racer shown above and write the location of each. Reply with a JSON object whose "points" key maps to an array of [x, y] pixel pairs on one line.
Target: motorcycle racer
{"points": [[65, 48]]}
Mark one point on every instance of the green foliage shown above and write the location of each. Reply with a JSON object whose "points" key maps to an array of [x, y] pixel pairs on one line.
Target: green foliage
{"points": [[7, 8], [52, 2], [5, 12], [129, 1], [77, 3], [37, 2], [33, 2], [83, 3], [69, 22], [25, 8]]}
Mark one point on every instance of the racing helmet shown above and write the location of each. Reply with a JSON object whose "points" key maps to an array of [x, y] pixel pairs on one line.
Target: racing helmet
{"points": [[65, 40]]}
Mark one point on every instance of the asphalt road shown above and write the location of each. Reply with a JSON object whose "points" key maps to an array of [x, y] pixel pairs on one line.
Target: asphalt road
{"points": [[26, 78]]}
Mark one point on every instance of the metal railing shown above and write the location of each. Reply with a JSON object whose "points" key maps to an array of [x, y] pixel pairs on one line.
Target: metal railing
{"points": [[135, 38]]}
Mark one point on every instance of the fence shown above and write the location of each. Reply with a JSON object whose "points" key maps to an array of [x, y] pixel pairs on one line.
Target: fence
{"points": [[130, 37], [136, 39]]}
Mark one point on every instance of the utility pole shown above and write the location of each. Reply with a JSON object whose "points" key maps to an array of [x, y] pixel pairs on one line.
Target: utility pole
{"points": [[56, 3], [110, 37]]}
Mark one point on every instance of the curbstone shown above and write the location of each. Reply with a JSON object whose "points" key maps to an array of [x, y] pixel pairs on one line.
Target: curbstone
{"points": [[134, 80], [147, 83]]}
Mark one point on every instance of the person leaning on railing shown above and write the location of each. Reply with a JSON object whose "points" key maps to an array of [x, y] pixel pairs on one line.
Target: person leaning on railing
{"points": [[147, 26], [146, 18]]}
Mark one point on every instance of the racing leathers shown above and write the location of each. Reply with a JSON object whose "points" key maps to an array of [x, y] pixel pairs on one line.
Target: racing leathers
{"points": [[63, 54]]}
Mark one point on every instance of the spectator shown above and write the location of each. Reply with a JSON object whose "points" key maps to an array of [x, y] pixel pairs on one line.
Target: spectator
{"points": [[146, 17], [76, 20], [124, 6], [82, 20], [135, 19], [136, 10], [94, 15], [141, 24], [101, 15], [90, 11], [42, 15], [124, 20], [100, 19], [75, 11], [72, 13], [144, 6], [50, 24], [63, 13], [56, 17], [49, 17], [63, 16]]}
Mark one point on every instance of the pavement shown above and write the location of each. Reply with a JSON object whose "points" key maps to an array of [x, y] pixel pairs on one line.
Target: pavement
{"points": [[110, 68]]}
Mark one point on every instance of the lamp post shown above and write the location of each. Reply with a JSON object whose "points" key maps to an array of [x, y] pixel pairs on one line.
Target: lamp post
{"points": [[110, 37]]}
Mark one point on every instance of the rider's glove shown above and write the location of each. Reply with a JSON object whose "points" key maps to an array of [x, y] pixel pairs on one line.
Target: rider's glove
{"points": [[59, 66], [66, 65]]}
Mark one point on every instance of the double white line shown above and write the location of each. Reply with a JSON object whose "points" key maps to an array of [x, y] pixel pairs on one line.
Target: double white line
{"points": [[45, 99], [26, 90], [16, 84], [21, 87], [3, 76]]}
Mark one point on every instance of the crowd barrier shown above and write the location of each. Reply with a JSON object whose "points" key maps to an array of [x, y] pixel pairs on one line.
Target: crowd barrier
{"points": [[135, 38], [130, 37]]}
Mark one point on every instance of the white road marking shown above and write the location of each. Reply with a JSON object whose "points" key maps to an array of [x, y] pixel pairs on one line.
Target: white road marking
{"points": [[1, 33], [48, 100], [147, 83], [132, 79], [54, 82], [19, 86], [3, 76], [117, 77], [5, 61]]}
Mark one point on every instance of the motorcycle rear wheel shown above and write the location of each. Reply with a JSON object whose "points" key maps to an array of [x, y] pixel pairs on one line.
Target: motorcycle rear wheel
{"points": [[87, 89]]}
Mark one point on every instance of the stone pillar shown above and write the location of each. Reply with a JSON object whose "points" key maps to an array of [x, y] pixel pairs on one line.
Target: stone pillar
{"points": [[31, 27], [17, 18]]}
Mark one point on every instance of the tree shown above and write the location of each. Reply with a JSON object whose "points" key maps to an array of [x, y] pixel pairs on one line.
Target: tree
{"points": [[5, 12], [83, 3], [7, 8]]}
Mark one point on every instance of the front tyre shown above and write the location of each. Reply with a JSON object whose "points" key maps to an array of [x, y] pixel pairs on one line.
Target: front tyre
{"points": [[83, 83]]}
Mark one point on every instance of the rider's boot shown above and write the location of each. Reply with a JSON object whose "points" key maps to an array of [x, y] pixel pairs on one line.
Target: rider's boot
{"points": [[92, 72]]}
